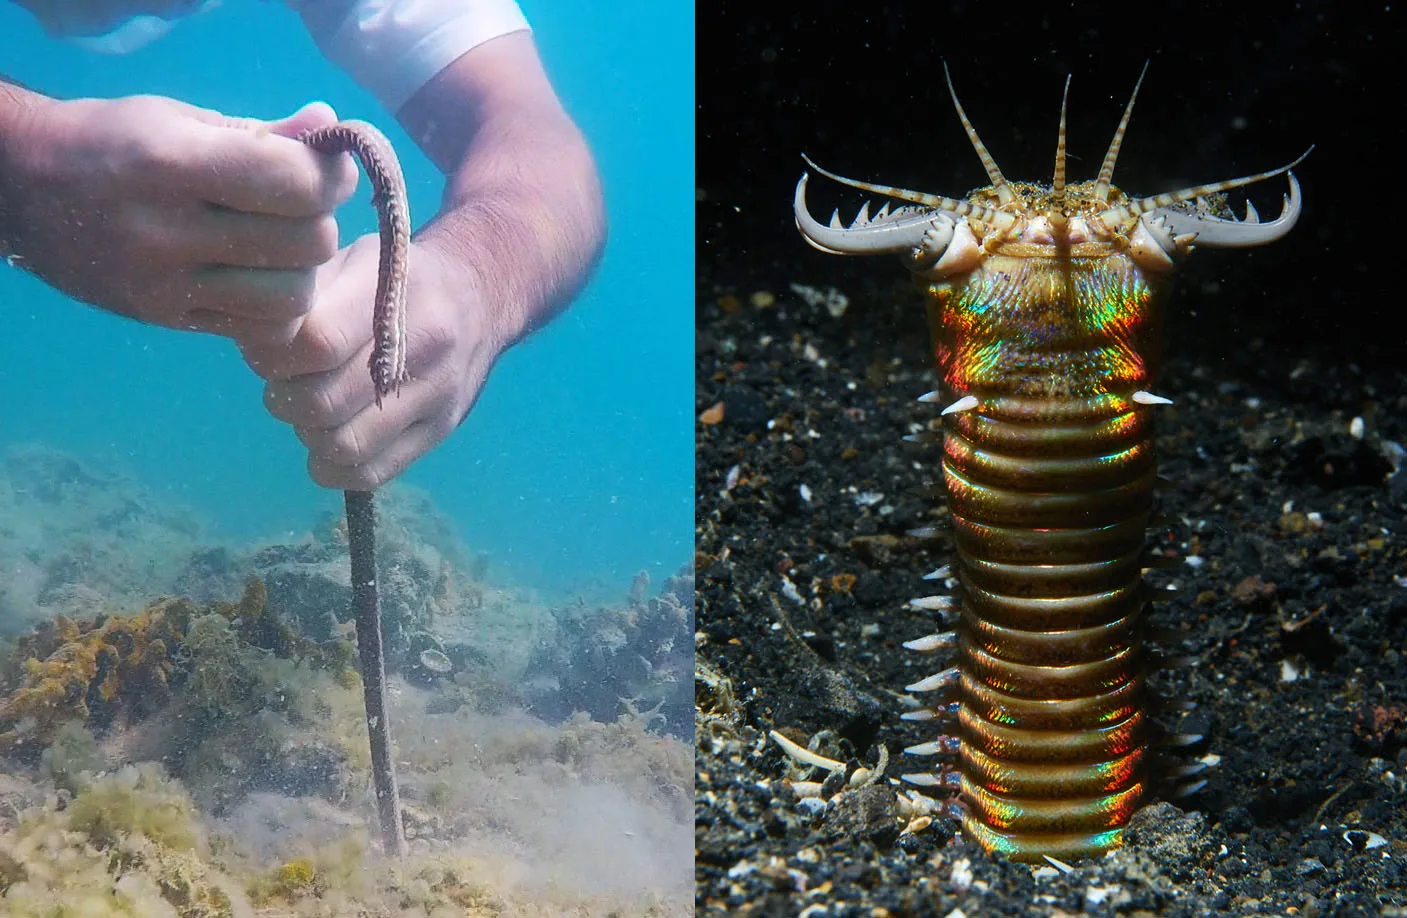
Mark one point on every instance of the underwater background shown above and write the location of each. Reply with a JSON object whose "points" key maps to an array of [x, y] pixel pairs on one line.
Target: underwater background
{"points": [[576, 466], [182, 725]]}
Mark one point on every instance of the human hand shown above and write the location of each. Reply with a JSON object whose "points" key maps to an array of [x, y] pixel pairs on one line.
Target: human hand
{"points": [[172, 214], [317, 375]]}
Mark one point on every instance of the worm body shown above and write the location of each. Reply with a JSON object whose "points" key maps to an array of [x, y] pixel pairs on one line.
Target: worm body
{"points": [[1044, 306], [383, 169], [388, 370], [1049, 482]]}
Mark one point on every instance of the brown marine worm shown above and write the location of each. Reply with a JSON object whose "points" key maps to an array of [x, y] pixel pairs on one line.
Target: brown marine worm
{"points": [[388, 190], [388, 370], [1044, 306]]}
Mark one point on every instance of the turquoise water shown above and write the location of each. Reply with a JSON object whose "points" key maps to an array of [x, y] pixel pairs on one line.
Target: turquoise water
{"points": [[577, 465]]}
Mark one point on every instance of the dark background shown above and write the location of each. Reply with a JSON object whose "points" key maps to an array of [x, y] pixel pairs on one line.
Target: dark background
{"points": [[1231, 90]]}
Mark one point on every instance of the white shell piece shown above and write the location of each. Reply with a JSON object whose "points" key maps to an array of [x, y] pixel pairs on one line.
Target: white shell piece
{"points": [[435, 661]]}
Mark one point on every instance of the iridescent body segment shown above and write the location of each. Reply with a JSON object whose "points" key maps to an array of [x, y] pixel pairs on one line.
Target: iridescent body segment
{"points": [[1049, 482], [1044, 305]]}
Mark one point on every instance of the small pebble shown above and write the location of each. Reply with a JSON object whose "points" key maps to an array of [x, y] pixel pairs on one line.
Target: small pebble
{"points": [[962, 874]]}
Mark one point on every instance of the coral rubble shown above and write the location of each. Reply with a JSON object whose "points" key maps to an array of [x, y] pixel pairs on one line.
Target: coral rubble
{"points": [[629, 661]]}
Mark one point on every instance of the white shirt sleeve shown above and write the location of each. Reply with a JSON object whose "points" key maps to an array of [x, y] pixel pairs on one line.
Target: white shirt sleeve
{"points": [[394, 47]]}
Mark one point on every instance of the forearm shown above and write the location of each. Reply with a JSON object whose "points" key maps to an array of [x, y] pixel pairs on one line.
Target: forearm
{"points": [[524, 214], [16, 102], [523, 219], [15, 98]]}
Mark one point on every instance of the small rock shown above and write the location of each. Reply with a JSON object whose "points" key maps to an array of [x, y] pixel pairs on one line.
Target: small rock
{"points": [[1167, 833], [870, 812]]}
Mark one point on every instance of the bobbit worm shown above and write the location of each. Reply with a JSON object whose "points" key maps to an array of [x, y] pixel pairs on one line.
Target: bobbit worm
{"points": [[1044, 306]]}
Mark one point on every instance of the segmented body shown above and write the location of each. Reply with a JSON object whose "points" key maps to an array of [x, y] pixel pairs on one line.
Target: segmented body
{"points": [[383, 169], [1049, 482], [1045, 310]]}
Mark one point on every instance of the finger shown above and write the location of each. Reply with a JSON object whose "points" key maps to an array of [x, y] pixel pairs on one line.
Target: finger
{"points": [[256, 170], [203, 320], [244, 171], [218, 236], [372, 431], [415, 441], [309, 117], [312, 115], [339, 328], [248, 334], [366, 454], [322, 400], [237, 328], [256, 294]]}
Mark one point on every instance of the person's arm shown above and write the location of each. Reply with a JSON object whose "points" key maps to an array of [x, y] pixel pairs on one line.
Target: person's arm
{"points": [[172, 214], [523, 207], [15, 102]]}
